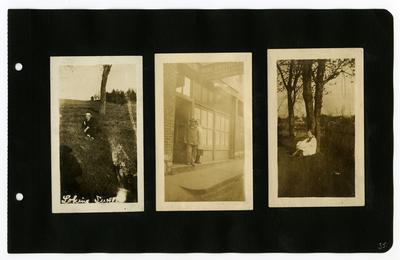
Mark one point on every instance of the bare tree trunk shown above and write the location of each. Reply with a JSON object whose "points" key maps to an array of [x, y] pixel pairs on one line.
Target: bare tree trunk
{"points": [[319, 92], [290, 114], [293, 73], [307, 93], [106, 71]]}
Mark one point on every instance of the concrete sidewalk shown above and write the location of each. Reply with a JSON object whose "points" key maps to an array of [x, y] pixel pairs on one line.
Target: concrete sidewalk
{"points": [[197, 182]]}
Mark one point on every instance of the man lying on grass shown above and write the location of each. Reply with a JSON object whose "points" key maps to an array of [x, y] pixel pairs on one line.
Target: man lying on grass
{"points": [[306, 147], [88, 126]]}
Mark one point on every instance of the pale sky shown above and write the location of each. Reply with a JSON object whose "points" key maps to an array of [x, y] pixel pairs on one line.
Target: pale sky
{"points": [[339, 99], [80, 82]]}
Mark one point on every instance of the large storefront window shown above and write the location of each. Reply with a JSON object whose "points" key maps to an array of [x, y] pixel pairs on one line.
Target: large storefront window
{"points": [[203, 94], [206, 120], [208, 128], [221, 131]]}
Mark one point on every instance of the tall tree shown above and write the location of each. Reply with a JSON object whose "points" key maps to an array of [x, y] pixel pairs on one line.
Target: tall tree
{"points": [[306, 75], [103, 95], [319, 92], [289, 74], [325, 71]]}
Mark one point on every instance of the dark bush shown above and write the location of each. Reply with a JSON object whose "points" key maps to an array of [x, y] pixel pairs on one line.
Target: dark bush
{"points": [[339, 135], [131, 94], [116, 97]]}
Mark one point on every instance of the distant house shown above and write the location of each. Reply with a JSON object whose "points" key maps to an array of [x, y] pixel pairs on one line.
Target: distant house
{"points": [[210, 93]]}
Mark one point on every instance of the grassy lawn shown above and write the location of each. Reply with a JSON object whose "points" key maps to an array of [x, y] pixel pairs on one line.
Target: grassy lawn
{"points": [[94, 156], [325, 174]]}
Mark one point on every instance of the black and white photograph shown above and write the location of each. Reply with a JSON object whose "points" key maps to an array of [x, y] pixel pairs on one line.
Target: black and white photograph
{"points": [[315, 100], [97, 149], [203, 131]]}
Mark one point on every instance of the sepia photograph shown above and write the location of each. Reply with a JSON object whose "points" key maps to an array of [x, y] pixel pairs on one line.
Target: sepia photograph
{"points": [[203, 131], [316, 140], [97, 134]]}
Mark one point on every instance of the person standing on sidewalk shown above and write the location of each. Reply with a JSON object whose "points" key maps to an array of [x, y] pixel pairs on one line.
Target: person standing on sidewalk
{"points": [[191, 140], [199, 150]]}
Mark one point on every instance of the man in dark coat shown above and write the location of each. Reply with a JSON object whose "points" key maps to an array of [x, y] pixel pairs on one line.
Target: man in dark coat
{"points": [[191, 140], [89, 126]]}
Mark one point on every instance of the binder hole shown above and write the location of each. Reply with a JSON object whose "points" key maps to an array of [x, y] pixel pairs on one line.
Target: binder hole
{"points": [[18, 66], [19, 197]]}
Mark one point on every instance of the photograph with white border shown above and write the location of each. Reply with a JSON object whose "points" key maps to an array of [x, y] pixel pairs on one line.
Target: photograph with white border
{"points": [[97, 134], [203, 131], [316, 127]]}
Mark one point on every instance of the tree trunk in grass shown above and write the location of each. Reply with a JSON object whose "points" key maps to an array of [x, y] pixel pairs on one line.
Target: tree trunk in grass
{"points": [[307, 93], [319, 92], [324, 71], [103, 99], [289, 75], [290, 115]]}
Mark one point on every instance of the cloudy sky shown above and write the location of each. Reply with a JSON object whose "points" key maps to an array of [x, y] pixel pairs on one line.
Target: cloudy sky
{"points": [[80, 82]]}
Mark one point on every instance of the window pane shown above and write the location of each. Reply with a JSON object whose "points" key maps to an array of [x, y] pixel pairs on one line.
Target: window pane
{"points": [[209, 137], [226, 139], [226, 125], [197, 114], [179, 90], [204, 118], [203, 137], [186, 87], [217, 122], [216, 138], [210, 120]]}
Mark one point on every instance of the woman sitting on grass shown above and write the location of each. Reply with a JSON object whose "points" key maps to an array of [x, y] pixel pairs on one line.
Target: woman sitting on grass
{"points": [[306, 147]]}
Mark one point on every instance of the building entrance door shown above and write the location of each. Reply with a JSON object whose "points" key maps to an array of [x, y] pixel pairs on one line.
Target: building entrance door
{"points": [[183, 112]]}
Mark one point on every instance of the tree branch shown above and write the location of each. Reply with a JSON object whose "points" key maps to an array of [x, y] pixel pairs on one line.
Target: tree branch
{"points": [[283, 78]]}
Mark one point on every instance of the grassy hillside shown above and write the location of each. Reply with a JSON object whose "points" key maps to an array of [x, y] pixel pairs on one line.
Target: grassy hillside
{"points": [[98, 175]]}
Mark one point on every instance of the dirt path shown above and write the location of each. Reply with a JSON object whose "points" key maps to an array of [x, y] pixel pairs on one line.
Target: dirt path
{"points": [[131, 117]]}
